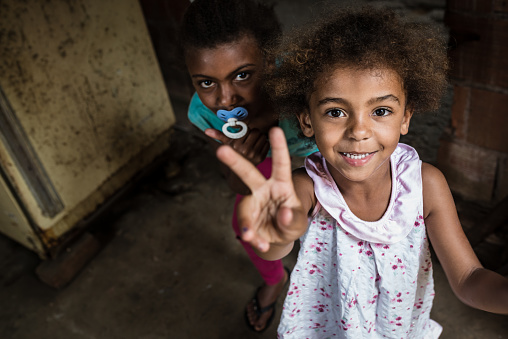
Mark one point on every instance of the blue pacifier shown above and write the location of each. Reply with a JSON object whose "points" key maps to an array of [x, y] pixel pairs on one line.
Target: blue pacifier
{"points": [[232, 119]]}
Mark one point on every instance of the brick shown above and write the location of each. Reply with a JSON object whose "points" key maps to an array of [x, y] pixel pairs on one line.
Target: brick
{"points": [[488, 120], [460, 110], [500, 6], [501, 189], [483, 6], [469, 170], [479, 49], [478, 6]]}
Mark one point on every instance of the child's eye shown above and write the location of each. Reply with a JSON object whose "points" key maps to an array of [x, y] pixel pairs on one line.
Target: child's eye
{"points": [[381, 112], [242, 76], [335, 113], [206, 83]]}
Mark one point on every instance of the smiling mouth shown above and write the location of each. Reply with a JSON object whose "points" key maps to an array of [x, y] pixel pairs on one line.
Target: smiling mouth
{"points": [[356, 156]]}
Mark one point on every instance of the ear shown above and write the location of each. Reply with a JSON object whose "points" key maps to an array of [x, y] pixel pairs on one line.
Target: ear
{"points": [[305, 124], [404, 127]]}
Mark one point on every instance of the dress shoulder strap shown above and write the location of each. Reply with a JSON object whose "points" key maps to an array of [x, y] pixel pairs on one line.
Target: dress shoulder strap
{"points": [[405, 202]]}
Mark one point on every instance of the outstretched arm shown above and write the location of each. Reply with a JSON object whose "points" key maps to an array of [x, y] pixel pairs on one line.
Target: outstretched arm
{"points": [[273, 216], [470, 281]]}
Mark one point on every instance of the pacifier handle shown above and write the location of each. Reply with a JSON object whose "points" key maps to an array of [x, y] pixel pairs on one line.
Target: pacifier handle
{"points": [[232, 119], [232, 122]]}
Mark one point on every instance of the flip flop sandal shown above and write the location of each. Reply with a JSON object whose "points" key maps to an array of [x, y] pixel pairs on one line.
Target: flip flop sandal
{"points": [[260, 310]]}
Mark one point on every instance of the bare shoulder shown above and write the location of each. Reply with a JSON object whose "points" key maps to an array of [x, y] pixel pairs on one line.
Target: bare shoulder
{"points": [[304, 188], [436, 193], [433, 179], [302, 179], [301, 174], [431, 175]]}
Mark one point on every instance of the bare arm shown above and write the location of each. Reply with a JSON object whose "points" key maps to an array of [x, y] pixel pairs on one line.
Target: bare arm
{"points": [[470, 281], [274, 215]]}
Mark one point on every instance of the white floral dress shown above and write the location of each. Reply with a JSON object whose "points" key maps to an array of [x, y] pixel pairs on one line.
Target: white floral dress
{"points": [[357, 279]]}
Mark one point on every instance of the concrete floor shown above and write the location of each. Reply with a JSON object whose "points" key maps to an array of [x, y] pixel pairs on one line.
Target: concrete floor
{"points": [[173, 268]]}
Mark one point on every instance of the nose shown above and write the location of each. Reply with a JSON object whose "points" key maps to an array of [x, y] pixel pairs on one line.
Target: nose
{"points": [[359, 127], [226, 97]]}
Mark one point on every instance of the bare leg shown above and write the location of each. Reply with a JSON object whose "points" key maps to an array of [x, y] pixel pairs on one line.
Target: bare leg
{"points": [[266, 295]]}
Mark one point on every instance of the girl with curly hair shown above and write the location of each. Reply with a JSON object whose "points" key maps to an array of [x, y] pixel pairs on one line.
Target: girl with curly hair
{"points": [[365, 206]]}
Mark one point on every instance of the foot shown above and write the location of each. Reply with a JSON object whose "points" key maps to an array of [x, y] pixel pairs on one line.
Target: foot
{"points": [[267, 295]]}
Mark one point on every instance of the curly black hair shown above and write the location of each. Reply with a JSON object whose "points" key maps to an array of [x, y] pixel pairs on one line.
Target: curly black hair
{"points": [[209, 23], [362, 38]]}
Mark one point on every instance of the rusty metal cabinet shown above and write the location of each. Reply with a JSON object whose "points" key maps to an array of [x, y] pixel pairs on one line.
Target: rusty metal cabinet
{"points": [[83, 108]]}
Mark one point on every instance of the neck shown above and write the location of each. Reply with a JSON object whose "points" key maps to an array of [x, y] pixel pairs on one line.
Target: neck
{"points": [[367, 199]]}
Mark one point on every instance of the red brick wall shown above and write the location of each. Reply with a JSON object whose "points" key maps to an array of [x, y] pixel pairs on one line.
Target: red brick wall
{"points": [[480, 44], [474, 153]]}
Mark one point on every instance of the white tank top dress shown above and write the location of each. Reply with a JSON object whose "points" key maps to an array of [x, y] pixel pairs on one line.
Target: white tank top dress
{"points": [[359, 279]]}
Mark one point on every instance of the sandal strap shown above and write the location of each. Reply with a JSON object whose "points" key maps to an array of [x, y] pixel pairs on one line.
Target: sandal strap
{"points": [[260, 310], [265, 309]]}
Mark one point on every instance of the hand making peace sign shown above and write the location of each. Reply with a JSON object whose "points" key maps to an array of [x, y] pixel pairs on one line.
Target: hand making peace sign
{"points": [[272, 217]]}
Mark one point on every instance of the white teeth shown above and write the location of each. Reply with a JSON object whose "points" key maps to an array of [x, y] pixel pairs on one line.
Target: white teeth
{"points": [[356, 156]]}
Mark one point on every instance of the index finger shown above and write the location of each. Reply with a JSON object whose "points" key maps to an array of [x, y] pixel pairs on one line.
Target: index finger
{"points": [[242, 167], [217, 135], [281, 168]]}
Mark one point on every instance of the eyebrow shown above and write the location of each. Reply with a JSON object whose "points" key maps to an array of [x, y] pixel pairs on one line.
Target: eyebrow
{"points": [[236, 70], [370, 102], [390, 97]]}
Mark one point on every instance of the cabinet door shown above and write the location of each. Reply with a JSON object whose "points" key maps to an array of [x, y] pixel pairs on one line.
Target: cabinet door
{"points": [[87, 107]]}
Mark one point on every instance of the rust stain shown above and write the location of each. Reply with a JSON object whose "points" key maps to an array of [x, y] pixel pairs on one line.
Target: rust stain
{"points": [[69, 42]]}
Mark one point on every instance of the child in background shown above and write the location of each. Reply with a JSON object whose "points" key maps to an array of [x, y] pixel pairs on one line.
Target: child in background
{"points": [[365, 206], [224, 43]]}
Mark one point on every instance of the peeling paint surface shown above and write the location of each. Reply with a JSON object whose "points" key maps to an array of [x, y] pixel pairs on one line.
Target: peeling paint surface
{"points": [[13, 221], [83, 80]]}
